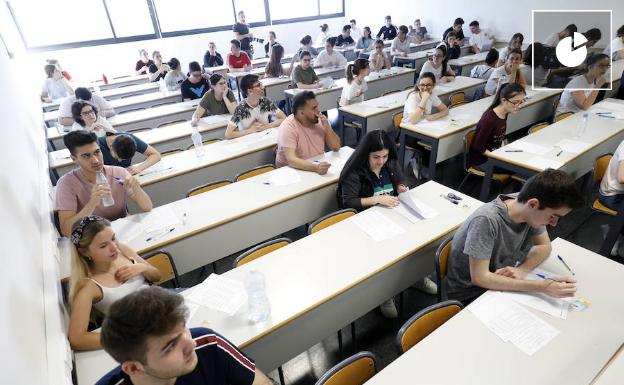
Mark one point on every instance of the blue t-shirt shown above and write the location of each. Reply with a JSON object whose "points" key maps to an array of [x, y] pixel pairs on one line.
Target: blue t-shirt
{"points": [[219, 362], [141, 147]]}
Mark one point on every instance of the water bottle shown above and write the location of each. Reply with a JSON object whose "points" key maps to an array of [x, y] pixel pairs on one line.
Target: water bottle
{"points": [[101, 180], [259, 307], [583, 126], [161, 85], [197, 143]]}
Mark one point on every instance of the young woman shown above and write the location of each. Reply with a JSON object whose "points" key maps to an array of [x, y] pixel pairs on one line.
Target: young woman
{"points": [[219, 100], [322, 36], [212, 58], [175, 77], [365, 43], [421, 101], [453, 49], [102, 271], [378, 59], [158, 69], [616, 47], [483, 71], [272, 41], [514, 43], [143, 64], [306, 45], [356, 86], [86, 117], [534, 62], [56, 85], [438, 66], [274, 67], [593, 78], [330, 58], [508, 73], [491, 127]]}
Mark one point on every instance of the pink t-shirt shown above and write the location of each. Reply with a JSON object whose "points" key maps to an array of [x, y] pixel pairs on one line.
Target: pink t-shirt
{"points": [[73, 191], [307, 142]]}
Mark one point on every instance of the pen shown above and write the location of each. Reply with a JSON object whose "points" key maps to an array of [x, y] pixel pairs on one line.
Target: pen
{"points": [[559, 153], [565, 264], [119, 180], [453, 201], [542, 276], [513, 150], [159, 235]]}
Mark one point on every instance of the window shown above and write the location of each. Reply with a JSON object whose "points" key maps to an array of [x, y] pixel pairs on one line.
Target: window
{"points": [[286, 9], [178, 16], [330, 7], [130, 17], [254, 11]]}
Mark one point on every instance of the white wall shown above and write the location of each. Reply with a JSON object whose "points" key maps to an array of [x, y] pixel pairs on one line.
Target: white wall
{"points": [[549, 22]]}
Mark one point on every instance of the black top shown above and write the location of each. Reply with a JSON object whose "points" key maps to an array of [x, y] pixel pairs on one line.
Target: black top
{"points": [[460, 34], [243, 29], [387, 32], [361, 184], [212, 61], [194, 90], [153, 69], [341, 40], [266, 47]]}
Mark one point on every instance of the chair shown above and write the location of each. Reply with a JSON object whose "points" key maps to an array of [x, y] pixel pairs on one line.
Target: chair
{"points": [[457, 97], [441, 262], [207, 187], [330, 219], [424, 322], [502, 178], [260, 250], [170, 152], [536, 127], [205, 142], [563, 116], [355, 370], [163, 261], [137, 130], [253, 172], [458, 104]]}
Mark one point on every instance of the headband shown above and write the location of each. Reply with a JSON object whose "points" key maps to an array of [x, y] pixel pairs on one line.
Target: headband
{"points": [[76, 234]]}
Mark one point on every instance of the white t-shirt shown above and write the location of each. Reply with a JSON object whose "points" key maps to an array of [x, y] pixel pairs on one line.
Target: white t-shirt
{"points": [[541, 75], [552, 40], [609, 185], [101, 120], [99, 102], [55, 88], [566, 103], [350, 91], [401, 46], [483, 39], [493, 81], [173, 80], [481, 71], [428, 67], [356, 33], [412, 102], [335, 59], [613, 48]]}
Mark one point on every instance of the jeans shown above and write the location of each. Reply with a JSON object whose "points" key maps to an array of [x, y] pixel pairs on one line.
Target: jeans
{"points": [[611, 201]]}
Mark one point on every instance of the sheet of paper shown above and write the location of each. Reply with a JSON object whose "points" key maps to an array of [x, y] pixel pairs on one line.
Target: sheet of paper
{"points": [[407, 213], [416, 206], [612, 106], [544, 163], [126, 229], [60, 154], [219, 293], [377, 226], [573, 146], [555, 307], [192, 309], [160, 219], [531, 148], [284, 176], [159, 168]]}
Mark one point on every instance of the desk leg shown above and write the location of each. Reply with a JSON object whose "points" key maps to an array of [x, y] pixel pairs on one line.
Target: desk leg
{"points": [[361, 131], [487, 181], [433, 160], [402, 147], [341, 119], [614, 232]]}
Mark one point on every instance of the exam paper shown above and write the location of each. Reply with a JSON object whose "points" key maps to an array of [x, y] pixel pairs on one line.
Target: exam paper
{"points": [[159, 168], [531, 148], [219, 293], [126, 229], [160, 219], [377, 226], [284, 176], [555, 307], [573, 146], [544, 163], [416, 207]]}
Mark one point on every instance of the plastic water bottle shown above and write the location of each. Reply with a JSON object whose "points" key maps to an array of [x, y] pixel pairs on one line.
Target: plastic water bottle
{"points": [[101, 180], [259, 306], [583, 126], [197, 143], [161, 85]]}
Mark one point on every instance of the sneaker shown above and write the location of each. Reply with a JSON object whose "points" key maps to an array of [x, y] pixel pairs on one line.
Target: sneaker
{"points": [[388, 309], [426, 285]]}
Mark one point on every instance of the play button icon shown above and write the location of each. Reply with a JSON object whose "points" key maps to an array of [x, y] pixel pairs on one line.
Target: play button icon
{"points": [[571, 52]]}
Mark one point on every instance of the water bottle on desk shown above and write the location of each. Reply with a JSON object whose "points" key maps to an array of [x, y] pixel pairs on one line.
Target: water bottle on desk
{"points": [[197, 143], [583, 125], [101, 180], [259, 306], [161, 85]]}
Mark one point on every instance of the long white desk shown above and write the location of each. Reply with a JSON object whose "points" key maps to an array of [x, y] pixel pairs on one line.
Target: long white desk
{"points": [[121, 81], [465, 63], [463, 351]]}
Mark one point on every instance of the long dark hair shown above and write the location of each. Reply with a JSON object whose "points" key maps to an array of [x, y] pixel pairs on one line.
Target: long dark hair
{"points": [[373, 141], [534, 55], [354, 68], [507, 91], [445, 60], [593, 59], [274, 66]]}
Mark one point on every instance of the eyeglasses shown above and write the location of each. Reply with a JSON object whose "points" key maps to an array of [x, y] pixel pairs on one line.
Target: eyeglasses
{"points": [[426, 85], [516, 102], [86, 113]]}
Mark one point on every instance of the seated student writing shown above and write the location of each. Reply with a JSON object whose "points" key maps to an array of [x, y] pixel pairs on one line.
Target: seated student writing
{"points": [[212, 58], [86, 117], [356, 86], [304, 135], [453, 50], [218, 100], [421, 101], [254, 113], [611, 193], [195, 86], [158, 69], [237, 60], [330, 58], [593, 79], [306, 45], [483, 71], [492, 126], [103, 106], [303, 75], [103, 270], [119, 149], [401, 44], [508, 73], [175, 77], [514, 43], [274, 68], [78, 194], [345, 39], [378, 59], [365, 43], [504, 240], [143, 64], [438, 66], [56, 86], [145, 332]]}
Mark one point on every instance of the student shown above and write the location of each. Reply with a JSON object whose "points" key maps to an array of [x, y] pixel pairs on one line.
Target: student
{"points": [[457, 27], [103, 106], [143, 64], [78, 195], [242, 35], [504, 240], [421, 101], [322, 36], [611, 192], [508, 73], [481, 39], [356, 32], [453, 50], [119, 149], [175, 77], [303, 75], [145, 332], [366, 42], [272, 41], [103, 270], [356, 86], [55, 86], [615, 49], [212, 58], [593, 36], [514, 43], [330, 58], [274, 68], [533, 66], [553, 39], [438, 65], [492, 126], [219, 100], [237, 60], [388, 31], [86, 117], [560, 74], [378, 59], [254, 113], [345, 39], [57, 64], [401, 44], [591, 80], [418, 33], [195, 86], [158, 69], [483, 71], [306, 45], [304, 135]]}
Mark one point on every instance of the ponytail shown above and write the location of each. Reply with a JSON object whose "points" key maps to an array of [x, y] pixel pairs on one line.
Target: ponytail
{"points": [[507, 91], [349, 73], [355, 68]]}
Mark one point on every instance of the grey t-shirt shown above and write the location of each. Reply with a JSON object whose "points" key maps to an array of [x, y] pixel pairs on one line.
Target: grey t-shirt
{"points": [[304, 76], [489, 233], [214, 106]]}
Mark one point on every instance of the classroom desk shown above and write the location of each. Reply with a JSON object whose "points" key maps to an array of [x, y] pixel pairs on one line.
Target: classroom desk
{"points": [[424, 45], [154, 117], [415, 59], [120, 81], [613, 372], [261, 62], [464, 351], [223, 70], [377, 112], [464, 64], [323, 282], [603, 136], [446, 135]]}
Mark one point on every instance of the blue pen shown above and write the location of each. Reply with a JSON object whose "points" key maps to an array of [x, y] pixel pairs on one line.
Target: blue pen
{"points": [[565, 264], [542, 276], [159, 235], [119, 180]]}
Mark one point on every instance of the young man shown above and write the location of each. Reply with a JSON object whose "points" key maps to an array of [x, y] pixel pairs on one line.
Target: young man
{"points": [[195, 86], [237, 60], [345, 39], [78, 194], [481, 39], [388, 31], [457, 27], [145, 332], [418, 33], [505, 239], [304, 134], [356, 32], [401, 44], [242, 34], [303, 75], [119, 149], [253, 113], [554, 38], [330, 58], [103, 106]]}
